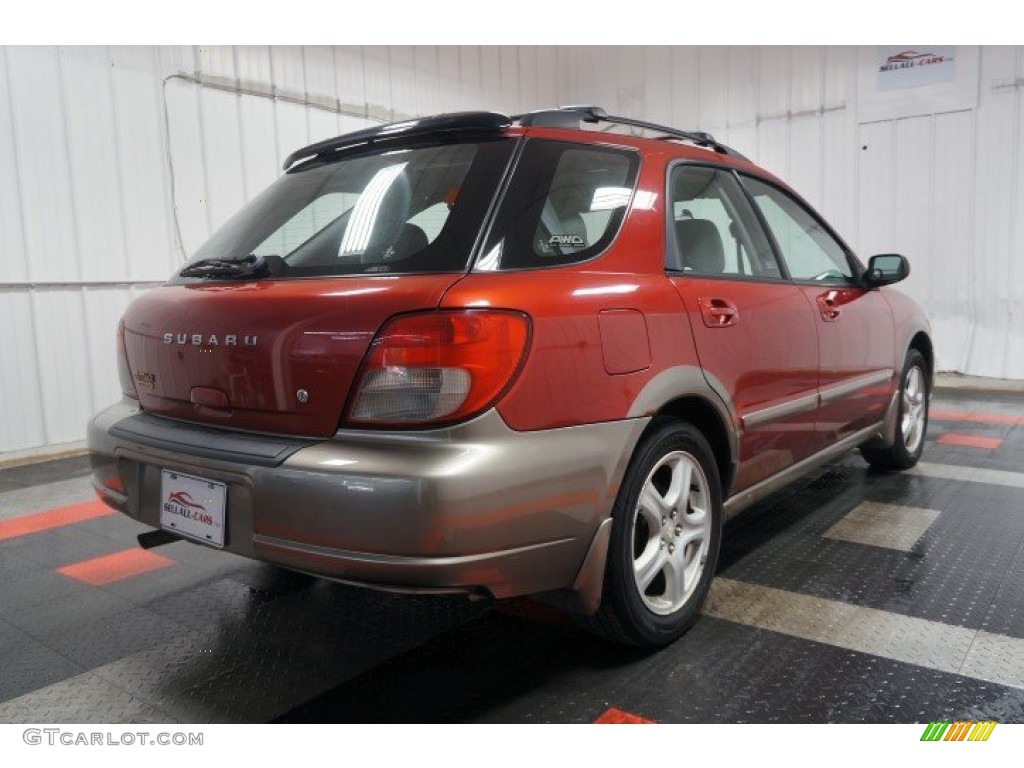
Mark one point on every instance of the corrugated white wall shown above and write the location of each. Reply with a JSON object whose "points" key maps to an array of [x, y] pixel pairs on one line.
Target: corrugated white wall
{"points": [[943, 188], [116, 161]]}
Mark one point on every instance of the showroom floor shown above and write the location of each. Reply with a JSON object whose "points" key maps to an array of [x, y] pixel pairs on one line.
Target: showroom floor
{"points": [[862, 598]]}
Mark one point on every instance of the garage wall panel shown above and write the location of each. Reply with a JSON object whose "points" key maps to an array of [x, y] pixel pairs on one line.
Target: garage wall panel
{"points": [[548, 68], [684, 84], [804, 159], [36, 97], [995, 154], [766, 90], [96, 193], [806, 78], [838, 164], [220, 130], [141, 164], [450, 97], [114, 161], [185, 140], [13, 251], [911, 228], [62, 344], [875, 177], [1015, 345], [21, 411], [713, 87], [949, 294], [470, 77]]}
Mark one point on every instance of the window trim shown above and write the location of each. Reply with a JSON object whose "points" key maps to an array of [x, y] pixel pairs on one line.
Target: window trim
{"points": [[670, 232], [856, 268], [506, 183]]}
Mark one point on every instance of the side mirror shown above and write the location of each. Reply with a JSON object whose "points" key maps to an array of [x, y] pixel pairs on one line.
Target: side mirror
{"points": [[886, 269]]}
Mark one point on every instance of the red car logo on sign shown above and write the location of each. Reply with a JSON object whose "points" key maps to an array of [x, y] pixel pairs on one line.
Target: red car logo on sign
{"points": [[182, 498]]}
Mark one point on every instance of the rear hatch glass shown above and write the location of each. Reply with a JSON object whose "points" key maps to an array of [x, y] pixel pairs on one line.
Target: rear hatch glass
{"points": [[399, 211]]}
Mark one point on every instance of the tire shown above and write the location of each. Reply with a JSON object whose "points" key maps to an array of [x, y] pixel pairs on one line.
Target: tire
{"points": [[671, 549], [911, 419]]}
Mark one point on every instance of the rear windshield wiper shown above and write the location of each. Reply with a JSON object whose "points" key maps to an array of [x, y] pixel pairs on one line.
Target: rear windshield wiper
{"points": [[250, 266]]}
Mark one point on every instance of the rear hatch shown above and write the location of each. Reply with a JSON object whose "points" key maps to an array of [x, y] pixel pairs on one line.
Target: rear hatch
{"points": [[266, 327]]}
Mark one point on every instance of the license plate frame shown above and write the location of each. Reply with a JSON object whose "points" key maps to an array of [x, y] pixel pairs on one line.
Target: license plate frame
{"points": [[193, 507]]}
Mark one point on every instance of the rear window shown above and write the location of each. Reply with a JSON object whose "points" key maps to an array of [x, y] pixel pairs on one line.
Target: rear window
{"points": [[565, 204], [388, 212]]}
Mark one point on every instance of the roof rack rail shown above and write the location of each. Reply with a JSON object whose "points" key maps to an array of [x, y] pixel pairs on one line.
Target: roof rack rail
{"points": [[569, 117], [484, 122]]}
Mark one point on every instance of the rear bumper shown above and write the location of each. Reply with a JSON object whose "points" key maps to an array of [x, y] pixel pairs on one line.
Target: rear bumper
{"points": [[478, 507]]}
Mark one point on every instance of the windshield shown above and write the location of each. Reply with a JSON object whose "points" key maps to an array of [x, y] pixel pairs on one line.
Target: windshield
{"points": [[387, 212]]}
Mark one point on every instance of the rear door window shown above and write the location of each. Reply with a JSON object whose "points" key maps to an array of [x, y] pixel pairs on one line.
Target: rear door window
{"points": [[564, 205], [715, 231]]}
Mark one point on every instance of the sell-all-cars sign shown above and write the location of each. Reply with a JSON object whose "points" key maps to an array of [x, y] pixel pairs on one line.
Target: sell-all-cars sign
{"points": [[912, 66]]}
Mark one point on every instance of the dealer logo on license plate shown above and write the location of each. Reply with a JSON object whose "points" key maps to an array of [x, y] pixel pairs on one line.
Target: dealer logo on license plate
{"points": [[193, 506]]}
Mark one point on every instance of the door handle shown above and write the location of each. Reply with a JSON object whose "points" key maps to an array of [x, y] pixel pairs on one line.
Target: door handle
{"points": [[718, 313], [828, 307]]}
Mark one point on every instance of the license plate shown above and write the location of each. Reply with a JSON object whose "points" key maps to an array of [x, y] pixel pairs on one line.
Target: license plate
{"points": [[193, 506]]}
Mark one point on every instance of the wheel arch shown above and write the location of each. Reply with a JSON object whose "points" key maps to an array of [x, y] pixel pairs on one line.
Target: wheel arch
{"points": [[923, 344], [690, 393], [699, 412]]}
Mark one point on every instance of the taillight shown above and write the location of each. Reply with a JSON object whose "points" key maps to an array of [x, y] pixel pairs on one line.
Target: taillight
{"points": [[124, 373], [438, 367]]}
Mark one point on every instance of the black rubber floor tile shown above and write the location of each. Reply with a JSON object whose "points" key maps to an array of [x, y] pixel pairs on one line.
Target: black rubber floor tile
{"points": [[103, 640], [24, 584], [29, 665], [84, 698], [44, 472], [283, 675], [467, 671], [62, 611], [502, 669], [116, 527], [950, 575], [1006, 614], [153, 585], [209, 605]]}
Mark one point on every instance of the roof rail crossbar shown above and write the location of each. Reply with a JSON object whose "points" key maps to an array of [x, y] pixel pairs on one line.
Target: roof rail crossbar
{"points": [[593, 114], [485, 122]]}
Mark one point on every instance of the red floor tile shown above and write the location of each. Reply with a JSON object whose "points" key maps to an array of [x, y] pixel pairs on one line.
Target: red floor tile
{"points": [[970, 441], [613, 716], [53, 518], [116, 567], [980, 418]]}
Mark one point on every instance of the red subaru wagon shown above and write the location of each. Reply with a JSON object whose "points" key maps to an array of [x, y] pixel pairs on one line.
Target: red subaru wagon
{"points": [[503, 356]]}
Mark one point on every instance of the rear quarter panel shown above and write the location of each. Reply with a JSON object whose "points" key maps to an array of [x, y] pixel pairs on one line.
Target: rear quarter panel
{"points": [[579, 370]]}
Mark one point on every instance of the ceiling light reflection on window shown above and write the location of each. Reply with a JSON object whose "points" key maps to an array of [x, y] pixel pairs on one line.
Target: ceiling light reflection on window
{"points": [[364, 215], [492, 260], [610, 198]]}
